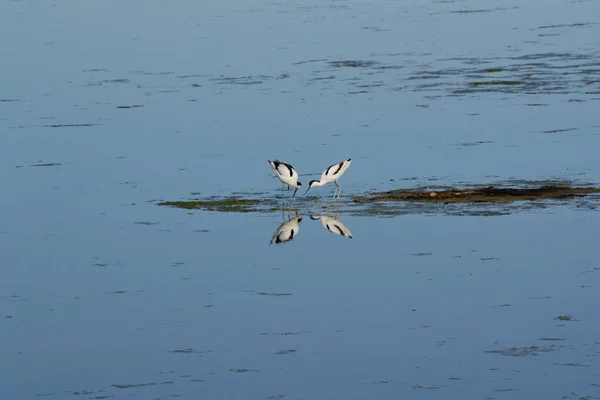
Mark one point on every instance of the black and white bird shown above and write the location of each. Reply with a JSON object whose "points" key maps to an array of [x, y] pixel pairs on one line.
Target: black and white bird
{"points": [[333, 225], [286, 174], [332, 174], [287, 231]]}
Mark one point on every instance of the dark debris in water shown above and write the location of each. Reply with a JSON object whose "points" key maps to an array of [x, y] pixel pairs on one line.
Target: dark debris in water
{"points": [[476, 143], [84, 392], [572, 364], [352, 63], [559, 130], [273, 294], [241, 80], [133, 385], [287, 351], [189, 350], [69, 125], [285, 333], [132, 106], [524, 351], [46, 165], [575, 25], [564, 317], [432, 387], [470, 11]]}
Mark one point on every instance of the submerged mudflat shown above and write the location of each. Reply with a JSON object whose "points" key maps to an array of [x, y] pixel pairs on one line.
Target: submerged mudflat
{"points": [[227, 204], [486, 194], [472, 200]]}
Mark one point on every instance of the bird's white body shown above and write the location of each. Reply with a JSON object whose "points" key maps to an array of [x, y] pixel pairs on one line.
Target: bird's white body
{"points": [[287, 231], [286, 174], [332, 174], [333, 225]]}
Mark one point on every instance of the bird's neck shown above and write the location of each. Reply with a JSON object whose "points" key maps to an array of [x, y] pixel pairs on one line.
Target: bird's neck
{"points": [[319, 183]]}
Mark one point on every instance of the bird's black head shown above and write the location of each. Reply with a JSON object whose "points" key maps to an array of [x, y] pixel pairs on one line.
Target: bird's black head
{"points": [[310, 184], [299, 184]]}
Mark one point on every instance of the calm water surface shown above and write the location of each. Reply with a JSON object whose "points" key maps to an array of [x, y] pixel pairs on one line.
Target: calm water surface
{"points": [[107, 108]]}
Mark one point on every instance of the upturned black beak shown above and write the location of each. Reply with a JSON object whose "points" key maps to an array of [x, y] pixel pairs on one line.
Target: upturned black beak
{"points": [[295, 192], [305, 192]]}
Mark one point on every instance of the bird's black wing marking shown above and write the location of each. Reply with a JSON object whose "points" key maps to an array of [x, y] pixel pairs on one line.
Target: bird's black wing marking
{"points": [[292, 235], [290, 168], [339, 167], [328, 168], [341, 231]]}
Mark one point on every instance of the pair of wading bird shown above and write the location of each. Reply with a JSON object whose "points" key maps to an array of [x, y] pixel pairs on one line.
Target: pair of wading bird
{"points": [[288, 176]]}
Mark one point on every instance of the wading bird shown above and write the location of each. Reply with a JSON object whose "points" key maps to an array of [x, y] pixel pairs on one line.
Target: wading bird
{"points": [[331, 174], [286, 174]]}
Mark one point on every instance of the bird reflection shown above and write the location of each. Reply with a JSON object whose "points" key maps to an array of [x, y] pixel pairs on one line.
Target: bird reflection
{"points": [[333, 225], [287, 230]]}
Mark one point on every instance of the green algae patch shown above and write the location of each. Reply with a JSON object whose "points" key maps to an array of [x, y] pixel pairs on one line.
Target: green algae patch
{"points": [[493, 70], [485, 83], [228, 204], [478, 195]]}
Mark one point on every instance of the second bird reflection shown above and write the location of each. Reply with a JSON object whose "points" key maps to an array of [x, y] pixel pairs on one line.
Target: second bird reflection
{"points": [[333, 225]]}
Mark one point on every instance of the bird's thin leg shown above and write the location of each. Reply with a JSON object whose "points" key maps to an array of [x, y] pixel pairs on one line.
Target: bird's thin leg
{"points": [[338, 189]]}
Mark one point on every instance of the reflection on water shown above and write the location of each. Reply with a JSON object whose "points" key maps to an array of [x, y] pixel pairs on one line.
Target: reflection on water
{"points": [[287, 230], [333, 225]]}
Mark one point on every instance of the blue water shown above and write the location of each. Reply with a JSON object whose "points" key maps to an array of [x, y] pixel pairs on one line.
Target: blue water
{"points": [[101, 287]]}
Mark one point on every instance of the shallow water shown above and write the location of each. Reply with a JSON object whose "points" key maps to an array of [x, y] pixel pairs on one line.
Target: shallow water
{"points": [[108, 109]]}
